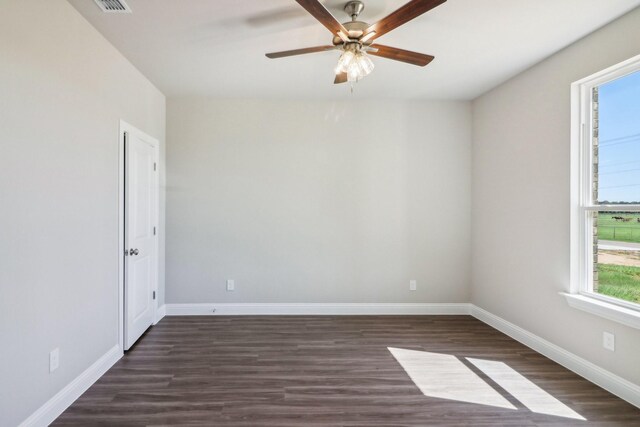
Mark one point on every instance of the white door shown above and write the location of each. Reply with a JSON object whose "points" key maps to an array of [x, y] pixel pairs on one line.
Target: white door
{"points": [[141, 213]]}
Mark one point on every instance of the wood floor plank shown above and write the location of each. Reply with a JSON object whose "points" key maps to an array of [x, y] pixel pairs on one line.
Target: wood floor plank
{"points": [[329, 371]]}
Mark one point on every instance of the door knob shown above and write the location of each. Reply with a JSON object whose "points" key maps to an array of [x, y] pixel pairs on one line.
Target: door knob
{"points": [[133, 252]]}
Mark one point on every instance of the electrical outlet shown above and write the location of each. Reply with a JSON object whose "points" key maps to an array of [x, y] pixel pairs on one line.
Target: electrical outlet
{"points": [[609, 341], [231, 285], [413, 285], [54, 360]]}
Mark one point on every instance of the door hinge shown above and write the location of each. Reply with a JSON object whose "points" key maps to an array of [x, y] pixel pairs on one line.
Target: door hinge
{"points": [[126, 252], [154, 231], [154, 295], [154, 166]]}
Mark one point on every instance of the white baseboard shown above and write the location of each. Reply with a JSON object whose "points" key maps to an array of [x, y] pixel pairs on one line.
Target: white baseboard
{"points": [[160, 313], [316, 309], [614, 384], [52, 409]]}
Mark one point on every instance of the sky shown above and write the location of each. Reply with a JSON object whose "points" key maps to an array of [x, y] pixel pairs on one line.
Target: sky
{"points": [[619, 163]]}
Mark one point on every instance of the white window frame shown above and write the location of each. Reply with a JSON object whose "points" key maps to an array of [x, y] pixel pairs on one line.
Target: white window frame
{"points": [[580, 295]]}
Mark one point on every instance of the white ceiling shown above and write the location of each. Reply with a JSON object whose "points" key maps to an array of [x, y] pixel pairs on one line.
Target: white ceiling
{"points": [[216, 47]]}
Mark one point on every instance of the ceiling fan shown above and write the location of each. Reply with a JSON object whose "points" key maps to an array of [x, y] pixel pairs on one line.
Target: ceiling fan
{"points": [[355, 39]]}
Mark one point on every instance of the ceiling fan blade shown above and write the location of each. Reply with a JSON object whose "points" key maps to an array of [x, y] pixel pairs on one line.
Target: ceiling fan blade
{"points": [[340, 78], [396, 54], [294, 52], [315, 8], [406, 13]]}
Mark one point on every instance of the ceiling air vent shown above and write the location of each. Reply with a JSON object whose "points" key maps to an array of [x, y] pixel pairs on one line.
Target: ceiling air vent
{"points": [[113, 6]]}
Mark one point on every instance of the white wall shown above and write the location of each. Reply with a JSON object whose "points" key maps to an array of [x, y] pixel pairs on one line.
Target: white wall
{"points": [[520, 208], [63, 90], [317, 201]]}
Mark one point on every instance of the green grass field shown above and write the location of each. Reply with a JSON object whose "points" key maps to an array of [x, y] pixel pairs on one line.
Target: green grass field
{"points": [[616, 280], [621, 231], [619, 282]]}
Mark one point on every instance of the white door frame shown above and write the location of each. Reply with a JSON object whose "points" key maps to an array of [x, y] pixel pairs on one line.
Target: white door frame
{"points": [[124, 129]]}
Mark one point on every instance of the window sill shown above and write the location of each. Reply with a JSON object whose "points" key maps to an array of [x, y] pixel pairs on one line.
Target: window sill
{"points": [[604, 309]]}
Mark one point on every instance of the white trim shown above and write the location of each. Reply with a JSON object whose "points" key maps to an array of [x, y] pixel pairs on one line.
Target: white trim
{"points": [[576, 244], [610, 311], [55, 406], [121, 213], [581, 177], [616, 71], [310, 309], [622, 388], [162, 311]]}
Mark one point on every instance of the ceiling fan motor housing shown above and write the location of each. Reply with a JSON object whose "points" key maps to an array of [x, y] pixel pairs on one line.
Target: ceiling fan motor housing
{"points": [[356, 29]]}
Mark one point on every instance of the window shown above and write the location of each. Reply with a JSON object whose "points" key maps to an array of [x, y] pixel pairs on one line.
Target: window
{"points": [[606, 191]]}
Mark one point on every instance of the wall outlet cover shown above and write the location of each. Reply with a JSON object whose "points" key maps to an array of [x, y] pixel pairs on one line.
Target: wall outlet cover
{"points": [[413, 285], [231, 285], [609, 341], [54, 360]]}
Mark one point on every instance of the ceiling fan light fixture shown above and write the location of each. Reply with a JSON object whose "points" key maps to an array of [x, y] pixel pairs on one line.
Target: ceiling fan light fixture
{"points": [[366, 64], [356, 64], [353, 72], [345, 60]]}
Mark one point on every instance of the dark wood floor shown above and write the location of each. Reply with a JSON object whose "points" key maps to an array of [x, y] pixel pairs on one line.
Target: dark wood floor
{"points": [[321, 371]]}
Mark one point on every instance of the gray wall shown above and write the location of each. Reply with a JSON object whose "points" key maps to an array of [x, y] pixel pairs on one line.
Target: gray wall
{"points": [[63, 90], [521, 200], [318, 201]]}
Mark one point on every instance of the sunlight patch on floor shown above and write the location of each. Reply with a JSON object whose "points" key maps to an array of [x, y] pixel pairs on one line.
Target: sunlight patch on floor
{"points": [[445, 377], [529, 394]]}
